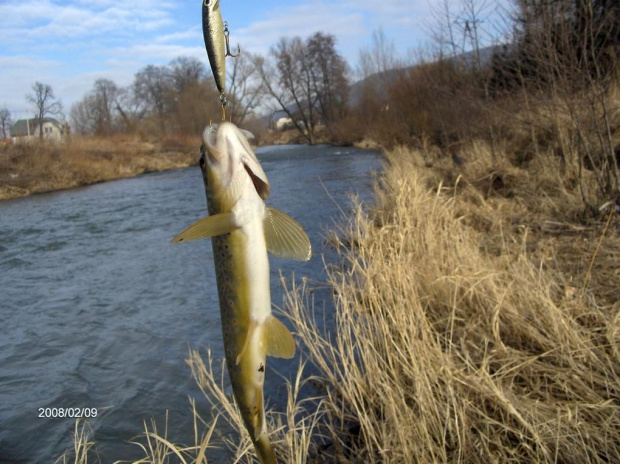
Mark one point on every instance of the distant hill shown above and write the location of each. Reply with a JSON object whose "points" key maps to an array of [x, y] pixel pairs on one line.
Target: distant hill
{"points": [[381, 80], [378, 80]]}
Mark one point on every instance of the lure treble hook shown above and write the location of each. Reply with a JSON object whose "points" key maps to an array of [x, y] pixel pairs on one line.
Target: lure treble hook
{"points": [[227, 39]]}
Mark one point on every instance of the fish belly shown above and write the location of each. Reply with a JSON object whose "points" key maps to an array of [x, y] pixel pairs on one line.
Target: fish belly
{"points": [[242, 271]]}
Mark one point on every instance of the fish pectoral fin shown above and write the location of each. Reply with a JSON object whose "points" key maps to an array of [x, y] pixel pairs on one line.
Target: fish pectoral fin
{"points": [[285, 237], [210, 226], [277, 340]]}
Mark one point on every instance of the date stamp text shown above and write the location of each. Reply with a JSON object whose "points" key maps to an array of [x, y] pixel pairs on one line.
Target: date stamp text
{"points": [[76, 413]]}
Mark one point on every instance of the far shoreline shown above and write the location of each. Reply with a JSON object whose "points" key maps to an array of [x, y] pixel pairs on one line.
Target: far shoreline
{"points": [[59, 170], [8, 192]]}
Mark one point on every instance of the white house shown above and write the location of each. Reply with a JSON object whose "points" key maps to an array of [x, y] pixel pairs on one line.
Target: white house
{"points": [[26, 130], [284, 123]]}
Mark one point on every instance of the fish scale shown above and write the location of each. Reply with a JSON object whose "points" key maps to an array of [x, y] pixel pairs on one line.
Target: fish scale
{"points": [[247, 377]]}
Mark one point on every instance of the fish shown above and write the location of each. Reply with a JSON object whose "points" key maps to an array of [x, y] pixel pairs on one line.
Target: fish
{"points": [[215, 33], [243, 230]]}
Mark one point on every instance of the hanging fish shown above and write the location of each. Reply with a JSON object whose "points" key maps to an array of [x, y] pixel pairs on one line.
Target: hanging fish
{"points": [[243, 230]]}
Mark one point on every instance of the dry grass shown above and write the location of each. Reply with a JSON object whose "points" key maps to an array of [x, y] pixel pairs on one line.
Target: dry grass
{"points": [[293, 432], [83, 445], [158, 448], [476, 321], [448, 349], [42, 167]]}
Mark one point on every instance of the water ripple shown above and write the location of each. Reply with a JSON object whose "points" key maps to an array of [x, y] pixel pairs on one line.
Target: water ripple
{"points": [[98, 309]]}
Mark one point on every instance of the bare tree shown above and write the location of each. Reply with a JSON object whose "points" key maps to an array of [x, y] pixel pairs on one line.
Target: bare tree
{"points": [[5, 122], [186, 71], [328, 75], [83, 118], [442, 29], [190, 96], [286, 79], [131, 109], [195, 106], [152, 86], [295, 77], [106, 94], [379, 58], [245, 88], [471, 21], [376, 68], [45, 102], [568, 52], [461, 34], [98, 111]]}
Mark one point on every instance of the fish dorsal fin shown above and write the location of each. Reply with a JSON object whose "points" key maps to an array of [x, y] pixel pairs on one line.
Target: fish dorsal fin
{"points": [[285, 237], [276, 339], [210, 226]]}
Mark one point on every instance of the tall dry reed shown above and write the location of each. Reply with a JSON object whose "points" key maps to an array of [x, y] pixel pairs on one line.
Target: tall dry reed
{"points": [[452, 341], [446, 353]]}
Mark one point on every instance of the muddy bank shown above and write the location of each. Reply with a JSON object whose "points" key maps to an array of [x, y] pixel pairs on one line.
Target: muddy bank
{"points": [[38, 168]]}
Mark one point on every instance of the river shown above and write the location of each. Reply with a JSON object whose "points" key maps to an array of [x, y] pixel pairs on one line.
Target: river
{"points": [[98, 309]]}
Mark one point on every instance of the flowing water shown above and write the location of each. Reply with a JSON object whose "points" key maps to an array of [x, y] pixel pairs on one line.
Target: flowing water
{"points": [[98, 309]]}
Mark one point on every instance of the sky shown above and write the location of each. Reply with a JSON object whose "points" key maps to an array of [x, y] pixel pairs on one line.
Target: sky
{"points": [[70, 44]]}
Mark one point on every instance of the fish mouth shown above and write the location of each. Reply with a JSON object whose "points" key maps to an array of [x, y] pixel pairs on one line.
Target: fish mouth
{"points": [[209, 139], [225, 141]]}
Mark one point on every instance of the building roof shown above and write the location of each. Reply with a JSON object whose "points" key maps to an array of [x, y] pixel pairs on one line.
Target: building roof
{"points": [[20, 128]]}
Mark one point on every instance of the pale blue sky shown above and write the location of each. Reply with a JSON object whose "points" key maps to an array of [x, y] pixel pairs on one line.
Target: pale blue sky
{"points": [[70, 44]]}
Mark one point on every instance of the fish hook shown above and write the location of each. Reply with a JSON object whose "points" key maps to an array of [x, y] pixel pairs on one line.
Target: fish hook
{"points": [[227, 39]]}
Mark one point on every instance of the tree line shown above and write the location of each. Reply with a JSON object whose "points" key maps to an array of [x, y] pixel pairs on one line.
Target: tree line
{"points": [[306, 79], [550, 71], [161, 99]]}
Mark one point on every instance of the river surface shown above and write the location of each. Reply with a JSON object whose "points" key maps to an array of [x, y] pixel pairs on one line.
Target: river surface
{"points": [[99, 310]]}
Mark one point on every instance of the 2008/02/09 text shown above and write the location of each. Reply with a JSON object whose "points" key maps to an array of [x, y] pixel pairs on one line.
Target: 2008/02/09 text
{"points": [[67, 412]]}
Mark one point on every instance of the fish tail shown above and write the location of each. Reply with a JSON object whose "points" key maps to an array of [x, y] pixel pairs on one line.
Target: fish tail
{"points": [[262, 445], [264, 450]]}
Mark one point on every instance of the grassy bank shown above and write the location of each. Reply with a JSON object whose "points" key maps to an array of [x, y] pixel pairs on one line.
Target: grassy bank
{"points": [[40, 167], [477, 321], [36, 168], [473, 324]]}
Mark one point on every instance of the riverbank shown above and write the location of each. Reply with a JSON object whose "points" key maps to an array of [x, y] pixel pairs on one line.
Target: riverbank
{"points": [[478, 319], [477, 315], [38, 168]]}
